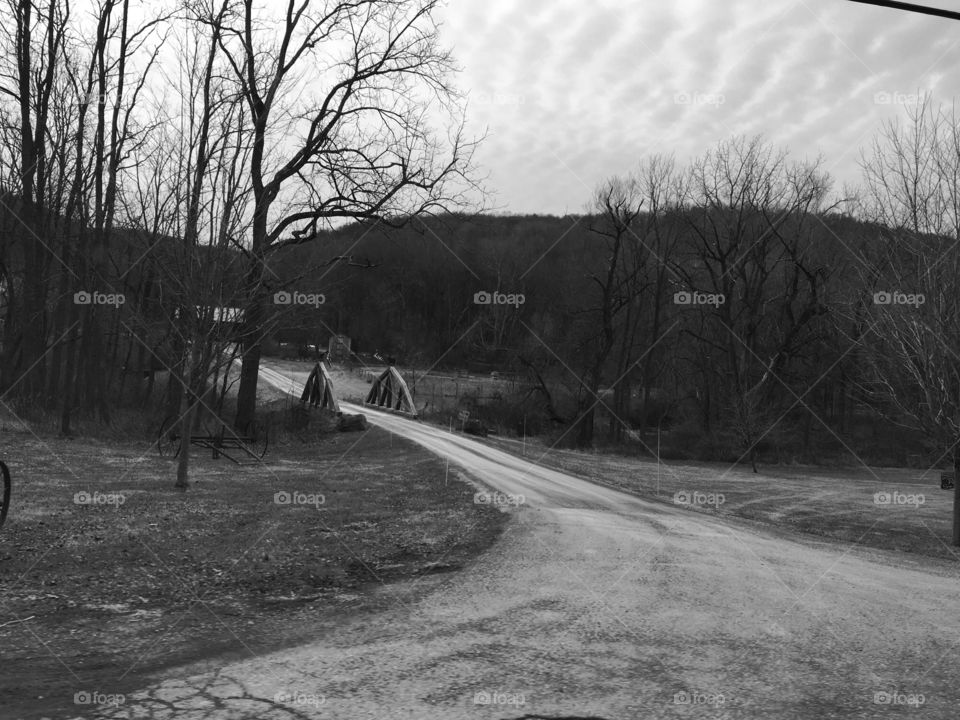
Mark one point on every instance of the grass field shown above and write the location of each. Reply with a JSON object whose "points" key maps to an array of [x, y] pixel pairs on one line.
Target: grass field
{"points": [[142, 577], [835, 503]]}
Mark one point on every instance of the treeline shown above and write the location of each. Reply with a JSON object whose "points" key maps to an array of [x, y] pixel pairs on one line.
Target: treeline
{"points": [[740, 297], [154, 158]]}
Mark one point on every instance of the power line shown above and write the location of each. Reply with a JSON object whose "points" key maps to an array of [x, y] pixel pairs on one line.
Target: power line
{"points": [[895, 5]]}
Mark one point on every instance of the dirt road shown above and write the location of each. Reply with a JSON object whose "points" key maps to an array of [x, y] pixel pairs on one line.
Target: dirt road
{"points": [[599, 604]]}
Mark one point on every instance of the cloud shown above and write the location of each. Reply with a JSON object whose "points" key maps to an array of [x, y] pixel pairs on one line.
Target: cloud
{"points": [[575, 92]]}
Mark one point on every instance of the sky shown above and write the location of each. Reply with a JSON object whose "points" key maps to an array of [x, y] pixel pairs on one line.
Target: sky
{"points": [[573, 92]]}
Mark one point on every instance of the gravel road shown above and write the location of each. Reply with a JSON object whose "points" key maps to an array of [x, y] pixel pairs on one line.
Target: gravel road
{"points": [[597, 604]]}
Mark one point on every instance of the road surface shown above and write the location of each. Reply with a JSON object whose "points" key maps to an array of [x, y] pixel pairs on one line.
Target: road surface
{"points": [[602, 605]]}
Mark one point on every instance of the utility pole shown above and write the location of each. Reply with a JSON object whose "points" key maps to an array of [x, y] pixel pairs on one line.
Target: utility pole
{"points": [[951, 15]]}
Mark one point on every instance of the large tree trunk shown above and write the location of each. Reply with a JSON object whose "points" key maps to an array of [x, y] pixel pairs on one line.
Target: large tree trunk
{"points": [[250, 365], [186, 432], [254, 317], [191, 416]]}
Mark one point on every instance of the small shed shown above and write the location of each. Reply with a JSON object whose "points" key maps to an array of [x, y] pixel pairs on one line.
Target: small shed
{"points": [[338, 349]]}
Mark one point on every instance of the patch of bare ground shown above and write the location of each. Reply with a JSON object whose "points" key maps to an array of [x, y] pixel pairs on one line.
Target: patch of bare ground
{"points": [[108, 575]]}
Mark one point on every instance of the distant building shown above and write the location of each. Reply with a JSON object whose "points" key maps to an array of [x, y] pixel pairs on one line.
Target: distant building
{"points": [[228, 318], [338, 349]]}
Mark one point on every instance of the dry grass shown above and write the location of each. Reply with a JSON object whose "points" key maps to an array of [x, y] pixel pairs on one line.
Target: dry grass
{"points": [[834, 503], [151, 577]]}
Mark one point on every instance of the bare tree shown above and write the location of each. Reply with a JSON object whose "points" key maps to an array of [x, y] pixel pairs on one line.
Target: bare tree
{"points": [[196, 194], [912, 343], [652, 243], [34, 55], [74, 101], [356, 141], [618, 202], [751, 215]]}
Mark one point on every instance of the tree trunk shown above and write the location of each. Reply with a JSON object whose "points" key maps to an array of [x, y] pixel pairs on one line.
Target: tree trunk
{"points": [[619, 412], [956, 495], [250, 365], [585, 428], [71, 375], [193, 398], [60, 320], [69, 396], [33, 321], [186, 433], [254, 317], [585, 422], [706, 404]]}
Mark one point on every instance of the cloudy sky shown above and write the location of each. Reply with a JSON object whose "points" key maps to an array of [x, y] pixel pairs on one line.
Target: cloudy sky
{"points": [[572, 92]]}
